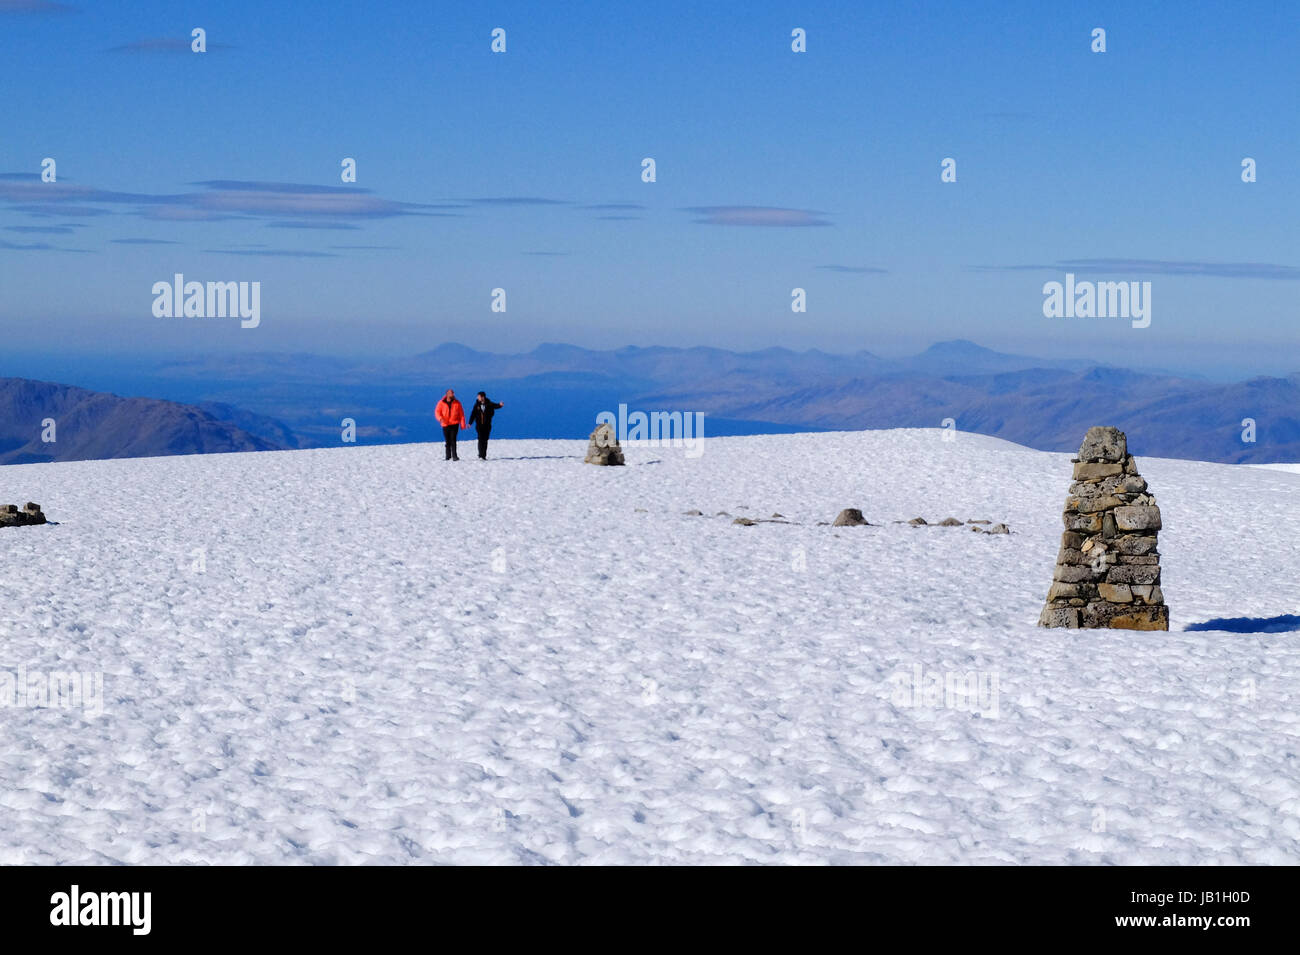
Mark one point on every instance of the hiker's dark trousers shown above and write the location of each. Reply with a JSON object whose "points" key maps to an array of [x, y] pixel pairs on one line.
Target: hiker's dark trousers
{"points": [[449, 432], [483, 435]]}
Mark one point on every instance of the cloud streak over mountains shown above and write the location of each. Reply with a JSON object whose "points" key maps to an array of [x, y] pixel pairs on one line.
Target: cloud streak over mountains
{"points": [[519, 201], [306, 206], [220, 199], [275, 253], [34, 6], [68, 229], [854, 269], [35, 247], [770, 216], [298, 204], [313, 207], [1224, 270]]}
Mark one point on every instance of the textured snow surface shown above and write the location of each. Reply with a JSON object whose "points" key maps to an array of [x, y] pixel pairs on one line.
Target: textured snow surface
{"points": [[390, 658]]}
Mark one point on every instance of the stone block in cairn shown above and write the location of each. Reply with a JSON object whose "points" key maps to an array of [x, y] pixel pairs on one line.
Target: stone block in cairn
{"points": [[11, 516], [1108, 569]]}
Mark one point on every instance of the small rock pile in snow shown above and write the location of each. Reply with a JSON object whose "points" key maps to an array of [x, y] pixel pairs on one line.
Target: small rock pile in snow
{"points": [[975, 525], [603, 447], [849, 517], [10, 516], [1108, 570]]}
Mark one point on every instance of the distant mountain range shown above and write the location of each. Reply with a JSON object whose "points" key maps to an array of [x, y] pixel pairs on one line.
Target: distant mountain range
{"points": [[282, 401], [41, 422]]}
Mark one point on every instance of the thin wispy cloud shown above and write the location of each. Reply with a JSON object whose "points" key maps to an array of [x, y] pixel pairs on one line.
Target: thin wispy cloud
{"points": [[311, 225], [298, 203], [275, 253], [26, 246], [46, 211], [34, 247], [768, 216], [183, 214], [1223, 270], [142, 241], [854, 269], [518, 201], [68, 229], [28, 188], [300, 199], [615, 206], [34, 6]]}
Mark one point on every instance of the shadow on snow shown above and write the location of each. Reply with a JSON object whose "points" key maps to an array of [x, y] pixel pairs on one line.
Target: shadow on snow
{"points": [[1279, 624]]}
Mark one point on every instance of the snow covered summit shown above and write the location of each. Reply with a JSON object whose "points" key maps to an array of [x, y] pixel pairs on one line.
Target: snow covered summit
{"points": [[373, 655]]}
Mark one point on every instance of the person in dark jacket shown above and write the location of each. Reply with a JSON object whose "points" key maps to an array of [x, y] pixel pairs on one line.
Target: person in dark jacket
{"points": [[451, 416], [481, 419]]}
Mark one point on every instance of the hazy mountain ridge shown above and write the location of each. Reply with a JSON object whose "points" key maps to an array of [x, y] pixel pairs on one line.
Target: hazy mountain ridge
{"points": [[556, 390], [90, 425], [260, 426]]}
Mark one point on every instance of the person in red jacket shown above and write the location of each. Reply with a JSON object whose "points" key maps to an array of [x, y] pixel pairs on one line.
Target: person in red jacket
{"points": [[451, 416]]}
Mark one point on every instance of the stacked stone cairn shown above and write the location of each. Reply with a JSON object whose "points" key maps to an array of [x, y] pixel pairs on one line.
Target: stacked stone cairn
{"points": [[603, 447], [1108, 570], [10, 516]]}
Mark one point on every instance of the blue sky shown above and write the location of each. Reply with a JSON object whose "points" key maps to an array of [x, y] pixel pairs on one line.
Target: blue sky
{"points": [[225, 166]]}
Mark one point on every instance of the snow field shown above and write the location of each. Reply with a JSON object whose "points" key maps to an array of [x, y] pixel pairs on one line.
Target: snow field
{"points": [[370, 655]]}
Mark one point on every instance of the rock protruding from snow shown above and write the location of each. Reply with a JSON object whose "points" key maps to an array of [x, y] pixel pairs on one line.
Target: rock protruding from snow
{"points": [[849, 517], [603, 447], [10, 516], [1108, 570]]}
